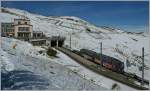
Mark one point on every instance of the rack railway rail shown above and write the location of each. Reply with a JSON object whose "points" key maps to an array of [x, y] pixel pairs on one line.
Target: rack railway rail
{"points": [[125, 79]]}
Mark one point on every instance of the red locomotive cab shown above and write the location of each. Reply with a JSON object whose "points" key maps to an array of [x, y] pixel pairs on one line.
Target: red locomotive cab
{"points": [[114, 68], [108, 65]]}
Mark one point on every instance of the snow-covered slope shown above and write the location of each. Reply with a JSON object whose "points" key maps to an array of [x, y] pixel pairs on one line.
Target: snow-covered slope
{"points": [[25, 68], [116, 43]]}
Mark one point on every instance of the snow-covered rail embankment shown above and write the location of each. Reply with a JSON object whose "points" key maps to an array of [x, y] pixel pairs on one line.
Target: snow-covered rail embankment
{"points": [[103, 71]]}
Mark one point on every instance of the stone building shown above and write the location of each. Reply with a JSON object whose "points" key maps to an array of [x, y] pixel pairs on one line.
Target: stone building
{"points": [[23, 29], [38, 42], [38, 38], [7, 29], [38, 35]]}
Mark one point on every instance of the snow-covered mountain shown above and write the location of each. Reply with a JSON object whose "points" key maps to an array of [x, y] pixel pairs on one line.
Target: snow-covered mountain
{"points": [[116, 43]]}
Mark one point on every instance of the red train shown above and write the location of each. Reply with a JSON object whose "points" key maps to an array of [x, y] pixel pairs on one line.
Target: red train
{"points": [[107, 61]]}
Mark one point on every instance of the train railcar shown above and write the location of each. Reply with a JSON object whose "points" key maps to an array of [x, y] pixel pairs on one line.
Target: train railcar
{"points": [[76, 52], [97, 61], [118, 66], [90, 55], [106, 61]]}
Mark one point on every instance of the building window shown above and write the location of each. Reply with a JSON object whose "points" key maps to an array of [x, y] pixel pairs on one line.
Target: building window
{"points": [[23, 29], [20, 35], [38, 35], [26, 23], [19, 22]]}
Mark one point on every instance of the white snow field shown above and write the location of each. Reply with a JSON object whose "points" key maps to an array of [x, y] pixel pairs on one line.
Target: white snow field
{"points": [[27, 58], [116, 43]]}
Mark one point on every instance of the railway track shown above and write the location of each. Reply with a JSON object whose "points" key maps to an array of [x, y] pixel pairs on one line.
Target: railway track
{"points": [[102, 71]]}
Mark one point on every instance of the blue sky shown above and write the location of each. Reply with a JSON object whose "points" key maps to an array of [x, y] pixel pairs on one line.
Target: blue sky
{"points": [[126, 15]]}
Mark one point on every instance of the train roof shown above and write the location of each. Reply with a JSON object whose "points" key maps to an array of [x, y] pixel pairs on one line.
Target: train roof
{"points": [[98, 55]]}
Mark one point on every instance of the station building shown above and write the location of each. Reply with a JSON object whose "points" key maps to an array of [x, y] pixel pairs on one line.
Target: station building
{"points": [[22, 29], [7, 29]]}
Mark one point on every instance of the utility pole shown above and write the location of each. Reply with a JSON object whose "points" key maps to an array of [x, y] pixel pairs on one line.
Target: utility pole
{"points": [[24, 16], [70, 35], [142, 67], [70, 40], [101, 56], [57, 43]]}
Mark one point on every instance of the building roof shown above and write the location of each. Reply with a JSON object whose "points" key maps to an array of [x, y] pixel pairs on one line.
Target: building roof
{"points": [[3, 23], [37, 32], [22, 19], [61, 38], [22, 24], [32, 40]]}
